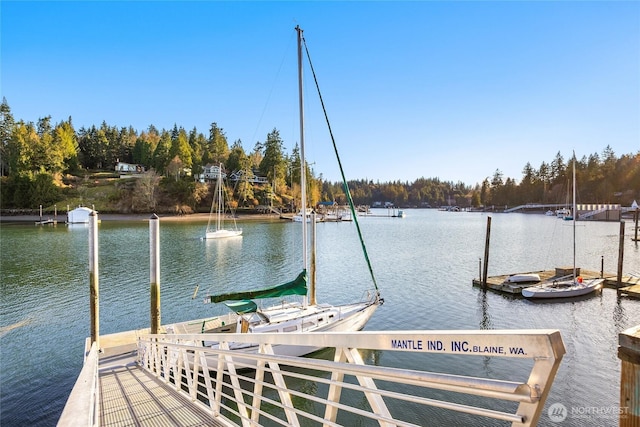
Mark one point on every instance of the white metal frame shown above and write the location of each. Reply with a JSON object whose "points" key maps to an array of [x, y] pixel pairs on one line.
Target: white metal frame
{"points": [[231, 384]]}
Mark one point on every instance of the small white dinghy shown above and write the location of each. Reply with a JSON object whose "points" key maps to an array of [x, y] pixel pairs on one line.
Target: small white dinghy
{"points": [[524, 278]]}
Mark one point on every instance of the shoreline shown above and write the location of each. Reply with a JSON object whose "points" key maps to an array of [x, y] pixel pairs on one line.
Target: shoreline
{"points": [[196, 217]]}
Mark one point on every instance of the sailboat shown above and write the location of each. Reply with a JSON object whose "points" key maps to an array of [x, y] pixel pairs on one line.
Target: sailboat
{"points": [[574, 285], [299, 217], [305, 316], [217, 230]]}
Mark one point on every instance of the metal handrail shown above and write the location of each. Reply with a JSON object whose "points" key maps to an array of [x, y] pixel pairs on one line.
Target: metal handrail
{"points": [[217, 378]]}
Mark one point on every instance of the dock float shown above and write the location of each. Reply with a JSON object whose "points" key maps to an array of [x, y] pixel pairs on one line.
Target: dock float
{"points": [[632, 288], [630, 285]]}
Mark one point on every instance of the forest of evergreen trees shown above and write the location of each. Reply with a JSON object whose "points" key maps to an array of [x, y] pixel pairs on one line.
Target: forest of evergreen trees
{"points": [[47, 163]]}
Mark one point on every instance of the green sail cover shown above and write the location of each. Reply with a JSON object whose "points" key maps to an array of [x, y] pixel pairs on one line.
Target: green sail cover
{"points": [[298, 286], [241, 307]]}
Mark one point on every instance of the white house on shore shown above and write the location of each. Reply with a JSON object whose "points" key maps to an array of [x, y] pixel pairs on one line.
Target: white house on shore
{"points": [[128, 168]]}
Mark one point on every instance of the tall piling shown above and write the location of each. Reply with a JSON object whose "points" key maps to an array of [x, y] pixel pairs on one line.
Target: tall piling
{"points": [[154, 271], [486, 254], [620, 253], [94, 294], [629, 355]]}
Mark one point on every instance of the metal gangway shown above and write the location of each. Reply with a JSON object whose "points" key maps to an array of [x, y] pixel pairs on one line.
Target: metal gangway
{"points": [[366, 378]]}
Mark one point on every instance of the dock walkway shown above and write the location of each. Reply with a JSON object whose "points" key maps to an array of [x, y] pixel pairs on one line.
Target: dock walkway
{"points": [[130, 396]]}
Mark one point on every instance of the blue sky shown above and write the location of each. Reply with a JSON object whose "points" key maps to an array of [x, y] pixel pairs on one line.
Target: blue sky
{"points": [[453, 90]]}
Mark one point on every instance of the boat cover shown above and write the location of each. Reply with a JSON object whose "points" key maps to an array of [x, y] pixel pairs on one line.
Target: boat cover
{"points": [[297, 286], [241, 307]]}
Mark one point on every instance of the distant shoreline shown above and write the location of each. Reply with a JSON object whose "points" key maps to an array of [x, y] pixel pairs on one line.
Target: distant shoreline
{"points": [[197, 217]]}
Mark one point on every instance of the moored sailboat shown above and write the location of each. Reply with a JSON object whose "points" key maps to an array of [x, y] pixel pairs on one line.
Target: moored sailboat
{"points": [[305, 316], [574, 285], [217, 229]]}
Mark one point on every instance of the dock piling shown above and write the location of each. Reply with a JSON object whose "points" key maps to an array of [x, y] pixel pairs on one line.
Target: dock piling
{"points": [[154, 273], [94, 293], [629, 355], [620, 253], [486, 255]]}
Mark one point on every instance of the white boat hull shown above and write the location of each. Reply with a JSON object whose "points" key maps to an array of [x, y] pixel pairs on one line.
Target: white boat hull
{"points": [[563, 289], [524, 278], [354, 321], [345, 318], [221, 234]]}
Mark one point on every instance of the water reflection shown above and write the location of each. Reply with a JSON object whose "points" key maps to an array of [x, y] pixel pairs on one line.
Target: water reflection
{"points": [[485, 316], [619, 316]]}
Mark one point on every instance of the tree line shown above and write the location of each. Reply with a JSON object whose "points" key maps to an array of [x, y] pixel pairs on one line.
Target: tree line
{"points": [[45, 163]]}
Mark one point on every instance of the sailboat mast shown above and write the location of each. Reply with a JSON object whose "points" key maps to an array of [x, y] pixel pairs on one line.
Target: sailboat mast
{"points": [[303, 169], [574, 213], [220, 202]]}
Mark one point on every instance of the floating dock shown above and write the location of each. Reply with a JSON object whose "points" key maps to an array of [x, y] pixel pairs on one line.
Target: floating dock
{"points": [[631, 288], [630, 285]]}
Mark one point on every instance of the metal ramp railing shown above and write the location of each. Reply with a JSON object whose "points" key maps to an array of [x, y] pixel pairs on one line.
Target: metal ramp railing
{"points": [[589, 214], [263, 386]]}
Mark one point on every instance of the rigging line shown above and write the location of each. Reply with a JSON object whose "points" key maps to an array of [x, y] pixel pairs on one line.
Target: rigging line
{"points": [[268, 101], [344, 180]]}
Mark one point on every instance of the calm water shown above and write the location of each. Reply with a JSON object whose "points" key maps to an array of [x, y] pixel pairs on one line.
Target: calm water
{"points": [[424, 265]]}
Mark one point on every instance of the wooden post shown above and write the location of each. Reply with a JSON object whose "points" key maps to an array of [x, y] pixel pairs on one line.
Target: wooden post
{"points": [[620, 253], [636, 214], [41, 214], [94, 294], [629, 355], [486, 254], [601, 266], [154, 273]]}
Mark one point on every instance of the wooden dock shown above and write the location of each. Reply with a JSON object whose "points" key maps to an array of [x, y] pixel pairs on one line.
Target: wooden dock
{"points": [[630, 285]]}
